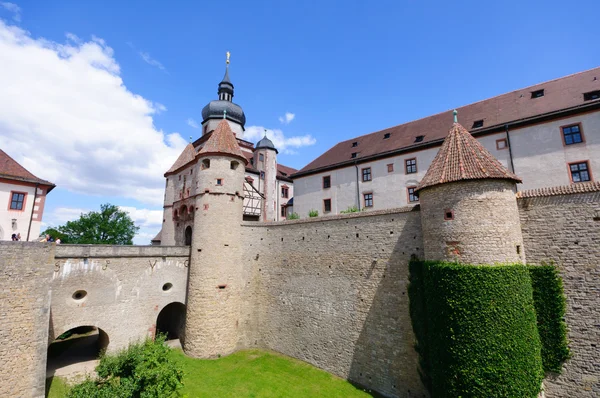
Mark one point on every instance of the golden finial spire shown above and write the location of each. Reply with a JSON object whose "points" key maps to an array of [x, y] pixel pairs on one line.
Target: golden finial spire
{"points": [[228, 55]]}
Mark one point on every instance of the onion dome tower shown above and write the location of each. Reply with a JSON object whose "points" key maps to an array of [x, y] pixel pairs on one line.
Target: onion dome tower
{"points": [[213, 112], [468, 206], [215, 283]]}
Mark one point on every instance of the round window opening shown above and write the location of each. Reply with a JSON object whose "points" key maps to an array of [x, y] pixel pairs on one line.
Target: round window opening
{"points": [[167, 287], [79, 295]]}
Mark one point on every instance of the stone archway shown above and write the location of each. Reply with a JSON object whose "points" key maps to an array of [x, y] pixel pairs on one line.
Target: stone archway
{"points": [[76, 351], [171, 320], [188, 235]]}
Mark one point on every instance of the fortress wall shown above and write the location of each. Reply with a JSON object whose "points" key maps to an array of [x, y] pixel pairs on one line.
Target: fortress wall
{"points": [[124, 286], [565, 229], [332, 291], [25, 269]]}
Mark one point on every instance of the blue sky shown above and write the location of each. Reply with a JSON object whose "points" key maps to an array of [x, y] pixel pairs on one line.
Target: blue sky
{"points": [[129, 76]]}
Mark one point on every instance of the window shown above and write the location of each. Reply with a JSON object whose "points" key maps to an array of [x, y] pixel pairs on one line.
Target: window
{"points": [[219, 181], [592, 95], [390, 167], [580, 172], [205, 164], [419, 138], [477, 124], [234, 165], [572, 134], [448, 214], [412, 195], [368, 199], [411, 165], [354, 144], [261, 157], [17, 200], [326, 182], [326, 205], [366, 174], [284, 211], [353, 155], [386, 136], [262, 175], [501, 144], [537, 93], [285, 192]]}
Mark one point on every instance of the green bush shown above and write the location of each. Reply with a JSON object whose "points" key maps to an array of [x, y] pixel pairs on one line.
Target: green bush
{"points": [[550, 304], [293, 216], [479, 337], [350, 209], [313, 213], [144, 370]]}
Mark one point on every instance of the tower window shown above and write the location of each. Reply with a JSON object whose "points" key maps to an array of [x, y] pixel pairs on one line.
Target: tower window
{"points": [[386, 136], [592, 95], [326, 182], [413, 196], [353, 155], [411, 165], [419, 138], [354, 144], [261, 157], [262, 175], [448, 214], [326, 205], [205, 164], [477, 124], [234, 165], [366, 174], [572, 134], [537, 93], [219, 181], [368, 197], [580, 172]]}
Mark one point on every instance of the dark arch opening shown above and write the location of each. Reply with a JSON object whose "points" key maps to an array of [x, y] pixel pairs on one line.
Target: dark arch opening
{"points": [[76, 345], [171, 321], [188, 236]]}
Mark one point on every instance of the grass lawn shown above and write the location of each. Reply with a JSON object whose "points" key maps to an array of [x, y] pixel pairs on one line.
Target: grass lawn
{"points": [[253, 373]]}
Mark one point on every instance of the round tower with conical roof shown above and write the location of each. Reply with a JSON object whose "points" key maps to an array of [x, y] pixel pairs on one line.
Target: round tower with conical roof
{"points": [[468, 206], [214, 283], [265, 161]]}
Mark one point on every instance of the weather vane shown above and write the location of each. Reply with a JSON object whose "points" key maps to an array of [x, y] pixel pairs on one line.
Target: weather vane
{"points": [[228, 55]]}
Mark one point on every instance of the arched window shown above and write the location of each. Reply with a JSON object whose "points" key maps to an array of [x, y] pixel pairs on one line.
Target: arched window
{"points": [[188, 236]]}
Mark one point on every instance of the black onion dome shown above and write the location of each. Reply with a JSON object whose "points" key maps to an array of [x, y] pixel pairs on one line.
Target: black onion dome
{"points": [[214, 110], [266, 143]]}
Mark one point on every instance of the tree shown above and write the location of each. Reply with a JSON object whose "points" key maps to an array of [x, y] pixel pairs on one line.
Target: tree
{"points": [[109, 226]]}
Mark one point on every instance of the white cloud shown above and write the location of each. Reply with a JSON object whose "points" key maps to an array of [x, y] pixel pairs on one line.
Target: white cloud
{"points": [[287, 118], [144, 217], [192, 123], [151, 61], [12, 7], [66, 116], [282, 143]]}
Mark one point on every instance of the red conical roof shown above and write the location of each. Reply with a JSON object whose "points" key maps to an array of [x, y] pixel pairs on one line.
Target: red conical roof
{"points": [[462, 157], [222, 141], [188, 154]]}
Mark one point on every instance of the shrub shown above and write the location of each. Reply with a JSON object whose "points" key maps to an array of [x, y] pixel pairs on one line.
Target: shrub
{"points": [[313, 213], [293, 216], [350, 209], [143, 370], [479, 337], [550, 304]]}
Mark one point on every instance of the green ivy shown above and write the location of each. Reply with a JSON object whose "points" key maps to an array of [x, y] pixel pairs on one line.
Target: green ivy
{"points": [[476, 329], [550, 304]]}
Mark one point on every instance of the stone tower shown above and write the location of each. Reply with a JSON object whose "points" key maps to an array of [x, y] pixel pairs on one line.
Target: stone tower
{"points": [[265, 161], [468, 206], [214, 284]]}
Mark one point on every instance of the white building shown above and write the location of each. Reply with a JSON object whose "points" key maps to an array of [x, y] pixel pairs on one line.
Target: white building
{"points": [[22, 199], [548, 134]]}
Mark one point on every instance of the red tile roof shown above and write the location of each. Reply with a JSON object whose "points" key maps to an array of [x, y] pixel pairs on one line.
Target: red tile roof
{"points": [[10, 169], [188, 154], [222, 141], [462, 157], [581, 187], [560, 94]]}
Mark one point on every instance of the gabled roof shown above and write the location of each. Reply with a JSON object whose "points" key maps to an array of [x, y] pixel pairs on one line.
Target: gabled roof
{"points": [[462, 157], [222, 142], [566, 93], [158, 237], [10, 169], [188, 154], [580, 187]]}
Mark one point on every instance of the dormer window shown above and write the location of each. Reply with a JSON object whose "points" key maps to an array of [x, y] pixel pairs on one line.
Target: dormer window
{"points": [[354, 144], [353, 155], [477, 124], [386, 136], [537, 93], [592, 95], [419, 138]]}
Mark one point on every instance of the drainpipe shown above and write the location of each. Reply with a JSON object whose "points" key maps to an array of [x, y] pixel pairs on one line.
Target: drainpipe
{"points": [[357, 189], [32, 209], [512, 166]]}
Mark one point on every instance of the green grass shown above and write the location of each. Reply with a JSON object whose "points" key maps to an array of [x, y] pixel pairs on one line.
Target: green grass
{"points": [[56, 388], [252, 373]]}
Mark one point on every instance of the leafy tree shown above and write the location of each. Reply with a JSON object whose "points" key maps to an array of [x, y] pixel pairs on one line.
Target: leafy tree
{"points": [[144, 370], [109, 226]]}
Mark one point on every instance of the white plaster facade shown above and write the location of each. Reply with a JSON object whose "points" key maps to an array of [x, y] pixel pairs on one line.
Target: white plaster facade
{"points": [[17, 221]]}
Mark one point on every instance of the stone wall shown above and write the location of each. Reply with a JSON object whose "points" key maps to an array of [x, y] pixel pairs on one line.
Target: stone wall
{"points": [[565, 229], [26, 269], [332, 291]]}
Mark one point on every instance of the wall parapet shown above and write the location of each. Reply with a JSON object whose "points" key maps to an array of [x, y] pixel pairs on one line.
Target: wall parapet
{"points": [[335, 217], [112, 251]]}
